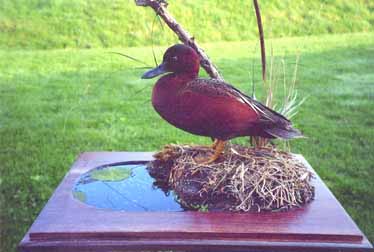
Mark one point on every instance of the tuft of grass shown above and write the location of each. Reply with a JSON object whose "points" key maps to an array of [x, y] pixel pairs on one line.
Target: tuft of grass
{"points": [[286, 100], [55, 104], [40, 24], [291, 103], [280, 93]]}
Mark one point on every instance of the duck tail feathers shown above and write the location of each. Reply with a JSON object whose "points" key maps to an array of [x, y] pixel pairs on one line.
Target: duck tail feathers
{"points": [[285, 133]]}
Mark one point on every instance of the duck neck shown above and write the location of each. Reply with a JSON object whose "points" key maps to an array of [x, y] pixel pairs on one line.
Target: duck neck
{"points": [[167, 87], [187, 77], [178, 80]]}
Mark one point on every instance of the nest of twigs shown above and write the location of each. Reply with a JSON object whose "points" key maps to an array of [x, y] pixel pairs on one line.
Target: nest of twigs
{"points": [[242, 180]]}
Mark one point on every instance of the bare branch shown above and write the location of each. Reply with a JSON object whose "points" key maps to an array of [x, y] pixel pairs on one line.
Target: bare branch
{"points": [[159, 6], [262, 41], [260, 141]]}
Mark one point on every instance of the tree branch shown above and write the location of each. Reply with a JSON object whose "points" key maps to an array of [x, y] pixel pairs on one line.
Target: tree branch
{"points": [[159, 6], [260, 141], [262, 41]]}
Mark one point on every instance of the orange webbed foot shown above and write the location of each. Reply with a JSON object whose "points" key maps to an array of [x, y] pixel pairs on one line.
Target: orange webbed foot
{"points": [[218, 146]]}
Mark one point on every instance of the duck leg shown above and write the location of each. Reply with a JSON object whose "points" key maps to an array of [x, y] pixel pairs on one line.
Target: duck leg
{"points": [[219, 147], [215, 143]]}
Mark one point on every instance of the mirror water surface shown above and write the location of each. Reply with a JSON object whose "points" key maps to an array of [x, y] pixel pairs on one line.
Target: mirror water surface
{"points": [[127, 187]]}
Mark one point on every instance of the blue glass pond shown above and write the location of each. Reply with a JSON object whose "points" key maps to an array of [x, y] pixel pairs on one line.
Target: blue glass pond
{"points": [[127, 187]]}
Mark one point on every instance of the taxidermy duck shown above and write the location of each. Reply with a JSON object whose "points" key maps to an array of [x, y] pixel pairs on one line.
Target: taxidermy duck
{"points": [[210, 107]]}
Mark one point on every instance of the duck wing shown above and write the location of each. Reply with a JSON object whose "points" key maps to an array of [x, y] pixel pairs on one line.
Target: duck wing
{"points": [[269, 120]]}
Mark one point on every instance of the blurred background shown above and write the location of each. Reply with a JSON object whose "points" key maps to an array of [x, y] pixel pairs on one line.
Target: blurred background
{"points": [[63, 91], [55, 24]]}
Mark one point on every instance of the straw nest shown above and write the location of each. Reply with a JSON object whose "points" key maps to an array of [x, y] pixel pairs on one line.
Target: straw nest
{"points": [[242, 180]]}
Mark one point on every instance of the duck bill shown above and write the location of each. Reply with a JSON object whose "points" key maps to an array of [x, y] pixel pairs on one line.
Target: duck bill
{"points": [[154, 72]]}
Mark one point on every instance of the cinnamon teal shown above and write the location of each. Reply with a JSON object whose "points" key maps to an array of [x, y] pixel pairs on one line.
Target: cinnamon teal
{"points": [[210, 107]]}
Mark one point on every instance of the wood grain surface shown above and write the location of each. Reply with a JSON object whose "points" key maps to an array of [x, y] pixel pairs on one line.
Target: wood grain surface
{"points": [[66, 224]]}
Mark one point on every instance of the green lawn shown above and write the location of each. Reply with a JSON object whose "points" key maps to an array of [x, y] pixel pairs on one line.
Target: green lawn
{"points": [[51, 24], [55, 104]]}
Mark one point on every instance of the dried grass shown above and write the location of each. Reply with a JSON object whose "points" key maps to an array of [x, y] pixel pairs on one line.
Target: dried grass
{"points": [[289, 105], [244, 179]]}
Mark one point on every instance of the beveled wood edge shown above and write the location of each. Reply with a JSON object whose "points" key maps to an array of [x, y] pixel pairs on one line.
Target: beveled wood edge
{"points": [[296, 237], [191, 245]]}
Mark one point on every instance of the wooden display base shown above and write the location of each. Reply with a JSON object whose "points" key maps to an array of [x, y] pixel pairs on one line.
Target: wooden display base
{"points": [[65, 224]]}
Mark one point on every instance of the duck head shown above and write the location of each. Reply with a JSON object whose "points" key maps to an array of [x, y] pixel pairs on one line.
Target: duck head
{"points": [[178, 59]]}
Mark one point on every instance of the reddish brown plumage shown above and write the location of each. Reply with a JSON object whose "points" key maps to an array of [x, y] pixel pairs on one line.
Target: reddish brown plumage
{"points": [[210, 107]]}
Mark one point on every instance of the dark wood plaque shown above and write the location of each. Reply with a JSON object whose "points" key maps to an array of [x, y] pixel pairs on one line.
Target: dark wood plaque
{"points": [[66, 224]]}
